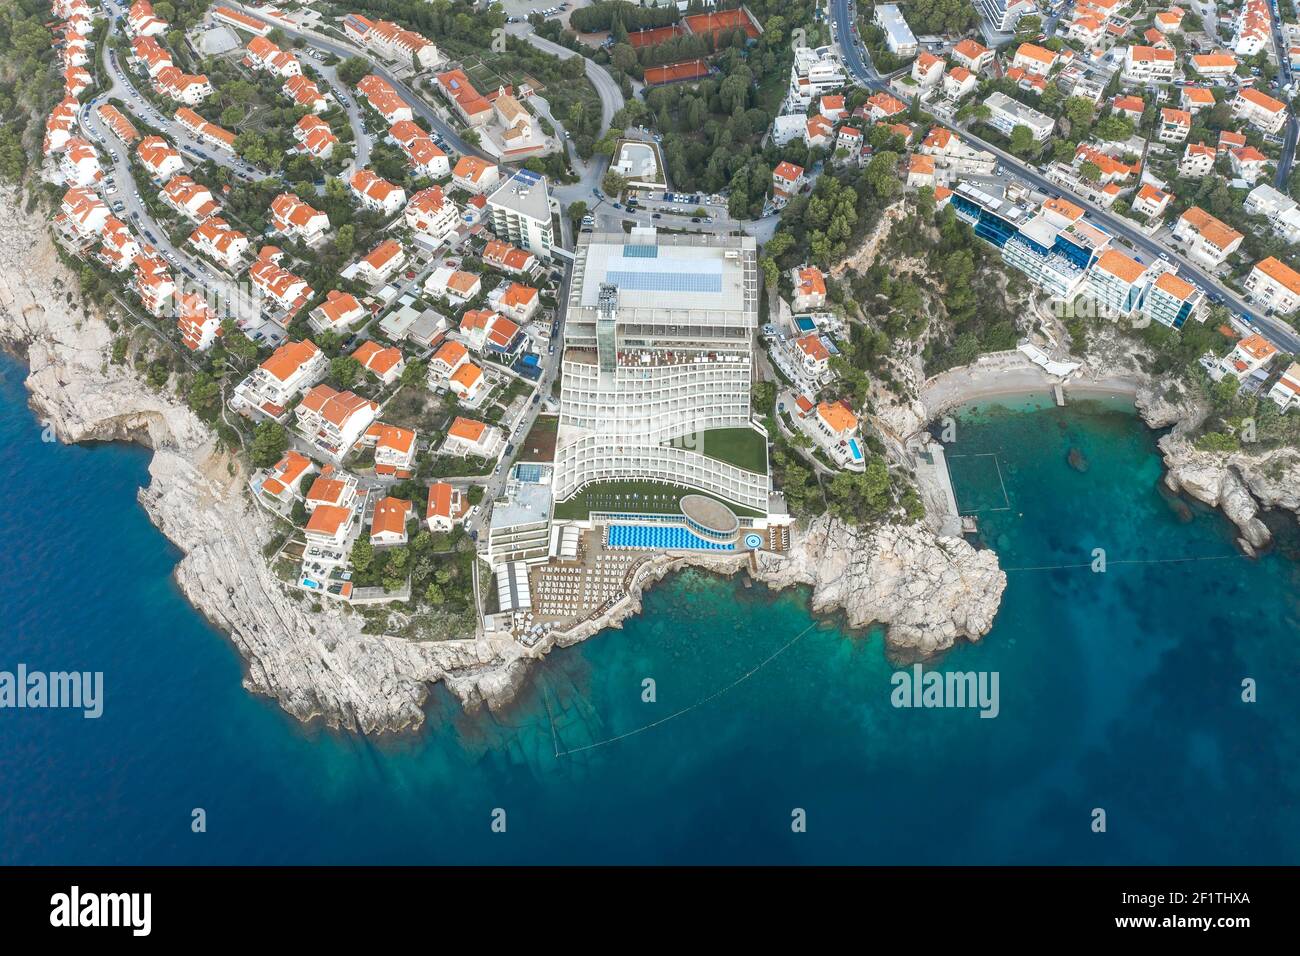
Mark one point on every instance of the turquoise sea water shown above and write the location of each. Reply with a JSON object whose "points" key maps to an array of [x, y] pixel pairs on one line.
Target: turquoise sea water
{"points": [[1118, 690]]}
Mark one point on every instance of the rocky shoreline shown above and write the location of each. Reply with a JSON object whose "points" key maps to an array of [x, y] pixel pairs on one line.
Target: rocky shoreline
{"points": [[928, 591], [1240, 484]]}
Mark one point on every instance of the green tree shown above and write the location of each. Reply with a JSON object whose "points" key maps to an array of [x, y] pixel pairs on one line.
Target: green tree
{"points": [[613, 184], [1022, 141], [362, 555], [345, 370], [351, 70], [269, 443]]}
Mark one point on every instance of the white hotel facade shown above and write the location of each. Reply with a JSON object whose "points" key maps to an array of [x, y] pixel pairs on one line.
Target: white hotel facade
{"points": [[658, 353]]}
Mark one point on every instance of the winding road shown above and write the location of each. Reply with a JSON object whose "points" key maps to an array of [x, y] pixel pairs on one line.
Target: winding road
{"points": [[611, 97]]}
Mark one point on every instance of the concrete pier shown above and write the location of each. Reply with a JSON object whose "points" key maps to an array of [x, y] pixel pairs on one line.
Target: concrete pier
{"points": [[934, 484]]}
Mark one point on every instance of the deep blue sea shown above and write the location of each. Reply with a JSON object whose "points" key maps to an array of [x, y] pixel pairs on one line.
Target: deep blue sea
{"points": [[1119, 691]]}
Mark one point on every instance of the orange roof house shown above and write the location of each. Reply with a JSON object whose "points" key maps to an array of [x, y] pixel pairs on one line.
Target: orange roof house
{"points": [[389, 521], [375, 358], [837, 417]]}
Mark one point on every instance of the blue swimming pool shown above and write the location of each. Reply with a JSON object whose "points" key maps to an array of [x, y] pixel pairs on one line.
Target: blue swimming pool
{"points": [[665, 538], [805, 323], [854, 450]]}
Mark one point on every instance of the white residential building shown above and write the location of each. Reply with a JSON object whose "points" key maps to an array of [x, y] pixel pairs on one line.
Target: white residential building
{"points": [[1274, 285], [521, 213], [332, 420], [1286, 391], [1149, 64], [1034, 59], [1259, 110], [1197, 161], [376, 193], [391, 42], [1247, 356], [431, 216], [1210, 241], [814, 73], [292, 217], [898, 35], [1282, 212], [292, 369], [1006, 114]]}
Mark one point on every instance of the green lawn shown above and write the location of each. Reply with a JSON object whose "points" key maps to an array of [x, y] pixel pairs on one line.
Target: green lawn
{"points": [[645, 497], [742, 447]]}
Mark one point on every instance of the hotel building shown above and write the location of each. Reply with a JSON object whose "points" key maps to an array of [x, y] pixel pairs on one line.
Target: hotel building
{"points": [[1053, 247], [1171, 300], [657, 367]]}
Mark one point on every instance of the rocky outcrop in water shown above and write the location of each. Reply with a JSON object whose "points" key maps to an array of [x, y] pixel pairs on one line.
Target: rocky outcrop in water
{"points": [[1240, 484], [929, 591]]}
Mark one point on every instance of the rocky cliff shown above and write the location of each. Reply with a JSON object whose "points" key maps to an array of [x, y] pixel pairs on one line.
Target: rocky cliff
{"points": [[318, 664], [313, 664], [1240, 484], [928, 590]]}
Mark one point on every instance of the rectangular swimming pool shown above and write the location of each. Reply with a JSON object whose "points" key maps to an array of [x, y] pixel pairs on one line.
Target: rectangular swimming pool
{"points": [[671, 538]]}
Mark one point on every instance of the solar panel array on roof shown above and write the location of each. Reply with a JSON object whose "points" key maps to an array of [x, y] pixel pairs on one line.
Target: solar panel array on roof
{"points": [[665, 281], [641, 252]]}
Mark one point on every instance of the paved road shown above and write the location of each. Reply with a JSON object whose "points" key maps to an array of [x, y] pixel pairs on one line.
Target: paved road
{"points": [[1278, 331], [1286, 76], [550, 370], [123, 88], [611, 97], [134, 212], [339, 48], [348, 100]]}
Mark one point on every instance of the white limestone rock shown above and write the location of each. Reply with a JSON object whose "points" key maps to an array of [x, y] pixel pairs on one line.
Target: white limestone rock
{"points": [[927, 590]]}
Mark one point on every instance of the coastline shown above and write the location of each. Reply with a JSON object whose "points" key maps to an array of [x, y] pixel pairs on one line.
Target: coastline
{"points": [[1003, 377], [928, 591], [1239, 484], [318, 665]]}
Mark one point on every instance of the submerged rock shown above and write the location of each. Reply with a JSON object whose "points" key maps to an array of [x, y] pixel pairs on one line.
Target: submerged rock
{"points": [[1078, 461], [1181, 509]]}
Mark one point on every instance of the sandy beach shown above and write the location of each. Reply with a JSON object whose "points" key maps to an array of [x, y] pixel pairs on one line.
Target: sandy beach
{"points": [[1005, 374]]}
